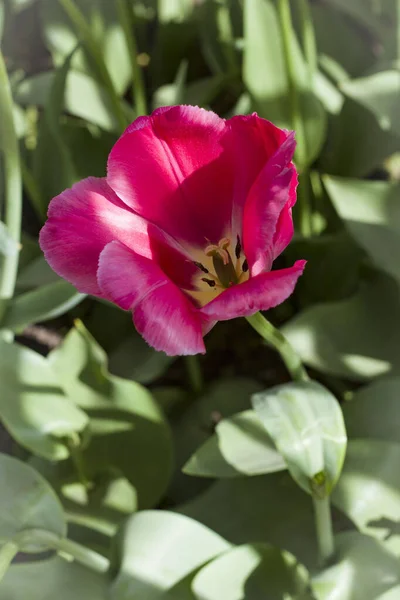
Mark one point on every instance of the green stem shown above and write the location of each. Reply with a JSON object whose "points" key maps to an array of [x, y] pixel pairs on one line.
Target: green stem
{"points": [[308, 37], [125, 12], [13, 189], [85, 556], [7, 553], [304, 204], [276, 339], [226, 36], [85, 33], [74, 447], [33, 191], [195, 375], [323, 524]]}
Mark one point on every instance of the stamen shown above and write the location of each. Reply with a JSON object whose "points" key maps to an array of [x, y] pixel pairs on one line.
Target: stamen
{"points": [[209, 282], [238, 248], [245, 266], [201, 267]]}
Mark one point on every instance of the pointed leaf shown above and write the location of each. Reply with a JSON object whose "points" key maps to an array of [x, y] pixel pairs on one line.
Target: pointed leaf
{"points": [[306, 423]]}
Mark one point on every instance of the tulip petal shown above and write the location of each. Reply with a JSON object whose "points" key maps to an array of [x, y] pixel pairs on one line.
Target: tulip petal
{"points": [[258, 293], [162, 314], [84, 219], [269, 195], [284, 228]]}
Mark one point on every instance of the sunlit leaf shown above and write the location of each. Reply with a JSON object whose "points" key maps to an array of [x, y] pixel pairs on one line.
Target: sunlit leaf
{"points": [[254, 572], [156, 549], [33, 405], [363, 568], [27, 502], [306, 423], [53, 578], [240, 446]]}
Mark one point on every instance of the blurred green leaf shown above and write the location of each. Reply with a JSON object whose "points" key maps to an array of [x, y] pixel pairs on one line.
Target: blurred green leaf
{"points": [[355, 338], [36, 273], [368, 491], [223, 398], [27, 502], [374, 411], [240, 446], [50, 578], [122, 414], [2, 15], [269, 508], [306, 423], [7, 244], [33, 405], [371, 212], [154, 550], [84, 97], [363, 569], [254, 572], [380, 94], [45, 303], [173, 93], [62, 37]]}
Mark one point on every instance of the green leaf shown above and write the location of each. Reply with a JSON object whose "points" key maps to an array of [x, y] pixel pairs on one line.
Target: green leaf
{"points": [[379, 93], [356, 338], [36, 273], [122, 414], [27, 502], [33, 405], [374, 411], [240, 446], [173, 93], [53, 578], [254, 572], [306, 423], [371, 472], [156, 549], [8, 246], [223, 398], [371, 212], [45, 303], [363, 569]]}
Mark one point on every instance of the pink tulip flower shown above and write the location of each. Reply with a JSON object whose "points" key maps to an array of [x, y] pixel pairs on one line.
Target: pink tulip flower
{"points": [[184, 229]]}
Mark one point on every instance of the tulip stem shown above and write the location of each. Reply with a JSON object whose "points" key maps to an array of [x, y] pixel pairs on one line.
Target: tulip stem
{"points": [[278, 341], [323, 525], [12, 188], [194, 373]]}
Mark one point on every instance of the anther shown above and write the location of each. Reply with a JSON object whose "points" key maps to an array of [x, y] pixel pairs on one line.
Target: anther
{"points": [[238, 248], [201, 267], [245, 266], [209, 282]]}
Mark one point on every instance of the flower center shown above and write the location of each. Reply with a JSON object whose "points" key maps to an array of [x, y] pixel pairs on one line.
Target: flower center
{"points": [[220, 269]]}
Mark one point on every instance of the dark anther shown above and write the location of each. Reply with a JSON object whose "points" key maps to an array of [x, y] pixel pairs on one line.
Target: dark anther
{"points": [[238, 248], [245, 266], [210, 282], [201, 267]]}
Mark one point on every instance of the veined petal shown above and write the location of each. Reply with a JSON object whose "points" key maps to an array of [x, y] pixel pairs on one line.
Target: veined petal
{"points": [[258, 293], [162, 314], [269, 195], [84, 219], [284, 228]]}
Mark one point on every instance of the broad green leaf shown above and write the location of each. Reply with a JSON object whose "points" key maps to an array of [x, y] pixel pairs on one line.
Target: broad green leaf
{"points": [[154, 550], [371, 212], [223, 398], [101, 15], [363, 569], [269, 508], [240, 446], [374, 411], [368, 491], [27, 502], [84, 97], [53, 578], [33, 405], [45, 303], [392, 594], [306, 423], [122, 414], [356, 338], [254, 572], [380, 94]]}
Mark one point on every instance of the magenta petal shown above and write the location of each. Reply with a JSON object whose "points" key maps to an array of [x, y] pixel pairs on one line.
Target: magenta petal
{"points": [[269, 195], [284, 228], [162, 314], [258, 293]]}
